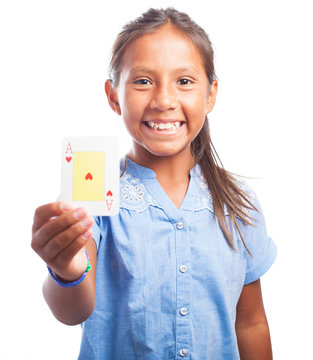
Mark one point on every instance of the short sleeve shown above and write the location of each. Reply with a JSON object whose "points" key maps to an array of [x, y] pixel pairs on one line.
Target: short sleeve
{"points": [[260, 245], [96, 233]]}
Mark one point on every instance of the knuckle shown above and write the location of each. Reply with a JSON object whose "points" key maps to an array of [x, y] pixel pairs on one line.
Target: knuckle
{"points": [[34, 246], [38, 211], [45, 232], [37, 214], [72, 249], [35, 227], [58, 243], [47, 257], [53, 247], [43, 254], [75, 231], [65, 220], [55, 244], [33, 243], [63, 258]]}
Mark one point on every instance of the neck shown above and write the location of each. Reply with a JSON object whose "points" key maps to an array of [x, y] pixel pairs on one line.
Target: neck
{"points": [[173, 167]]}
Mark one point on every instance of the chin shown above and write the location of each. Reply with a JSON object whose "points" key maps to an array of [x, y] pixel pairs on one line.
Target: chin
{"points": [[164, 151]]}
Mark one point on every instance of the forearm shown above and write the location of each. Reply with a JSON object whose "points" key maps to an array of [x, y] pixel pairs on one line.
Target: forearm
{"points": [[71, 305], [254, 342]]}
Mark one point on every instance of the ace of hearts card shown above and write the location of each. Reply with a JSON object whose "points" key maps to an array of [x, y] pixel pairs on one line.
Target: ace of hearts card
{"points": [[90, 174]]}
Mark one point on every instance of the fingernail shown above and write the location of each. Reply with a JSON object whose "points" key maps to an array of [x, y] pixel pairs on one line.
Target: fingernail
{"points": [[66, 206], [79, 214], [86, 222]]}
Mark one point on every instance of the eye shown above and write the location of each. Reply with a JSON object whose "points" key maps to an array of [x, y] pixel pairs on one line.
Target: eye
{"points": [[184, 81], [142, 82]]}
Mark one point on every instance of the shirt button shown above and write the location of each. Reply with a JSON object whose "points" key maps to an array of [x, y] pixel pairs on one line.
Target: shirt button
{"points": [[179, 225], [183, 268], [183, 352], [183, 311]]}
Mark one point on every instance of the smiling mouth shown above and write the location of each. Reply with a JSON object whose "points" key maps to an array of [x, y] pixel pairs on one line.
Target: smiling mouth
{"points": [[163, 126]]}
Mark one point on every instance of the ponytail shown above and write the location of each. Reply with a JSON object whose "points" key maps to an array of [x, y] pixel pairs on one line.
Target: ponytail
{"points": [[224, 187]]}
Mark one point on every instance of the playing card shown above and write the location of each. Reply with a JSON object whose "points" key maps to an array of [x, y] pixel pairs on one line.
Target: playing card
{"points": [[90, 174]]}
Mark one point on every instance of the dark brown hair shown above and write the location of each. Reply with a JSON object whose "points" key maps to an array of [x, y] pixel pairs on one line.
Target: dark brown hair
{"points": [[225, 189]]}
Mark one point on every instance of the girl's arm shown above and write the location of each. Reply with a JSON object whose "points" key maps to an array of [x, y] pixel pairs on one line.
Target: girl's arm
{"points": [[60, 236], [73, 305], [251, 325]]}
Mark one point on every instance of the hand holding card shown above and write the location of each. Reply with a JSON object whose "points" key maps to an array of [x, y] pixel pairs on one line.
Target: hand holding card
{"points": [[90, 174]]}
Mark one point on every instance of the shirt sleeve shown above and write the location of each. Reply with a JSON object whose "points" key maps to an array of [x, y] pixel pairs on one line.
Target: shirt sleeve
{"points": [[96, 233], [260, 245]]}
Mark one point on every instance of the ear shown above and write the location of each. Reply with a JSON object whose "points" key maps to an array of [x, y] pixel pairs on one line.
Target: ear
{"points": [[111, 93], [212, 97]]}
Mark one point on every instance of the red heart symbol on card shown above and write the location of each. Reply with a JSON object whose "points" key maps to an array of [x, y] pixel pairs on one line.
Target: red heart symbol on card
{"points": [[68, 158], [88, 176], [109, 193]]}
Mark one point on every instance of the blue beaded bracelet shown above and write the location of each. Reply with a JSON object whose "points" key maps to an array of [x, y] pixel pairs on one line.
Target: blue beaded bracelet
{"points": [[73, 283]]}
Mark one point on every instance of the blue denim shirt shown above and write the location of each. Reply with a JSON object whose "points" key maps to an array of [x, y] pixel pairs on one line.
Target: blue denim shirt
{"points": [[167, 282]]}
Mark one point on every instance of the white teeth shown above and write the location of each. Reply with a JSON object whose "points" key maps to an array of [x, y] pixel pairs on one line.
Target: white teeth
{"points": [[164, 126]]}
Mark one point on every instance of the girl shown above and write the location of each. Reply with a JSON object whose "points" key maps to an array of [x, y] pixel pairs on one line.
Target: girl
{"points": [[178, 269]]}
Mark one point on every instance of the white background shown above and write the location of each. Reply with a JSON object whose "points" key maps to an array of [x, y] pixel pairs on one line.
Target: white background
{"points": [[53, 65]]}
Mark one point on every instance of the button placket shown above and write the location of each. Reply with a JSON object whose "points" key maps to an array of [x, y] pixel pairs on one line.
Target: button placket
{"points": [[183, 288]]}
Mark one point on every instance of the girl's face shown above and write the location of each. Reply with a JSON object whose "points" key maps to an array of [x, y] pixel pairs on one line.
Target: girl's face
{"points": [[163, 93]]}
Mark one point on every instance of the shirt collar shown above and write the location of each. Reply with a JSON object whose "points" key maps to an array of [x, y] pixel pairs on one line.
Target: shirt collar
{"points": [[136, 169], [198, 196], [147, 173]]}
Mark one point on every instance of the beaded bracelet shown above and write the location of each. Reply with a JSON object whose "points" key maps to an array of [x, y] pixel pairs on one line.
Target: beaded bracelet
{"points": [[72, 283]]}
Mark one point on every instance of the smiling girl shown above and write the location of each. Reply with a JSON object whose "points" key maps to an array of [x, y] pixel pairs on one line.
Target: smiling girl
{"points": [[178, 270]]}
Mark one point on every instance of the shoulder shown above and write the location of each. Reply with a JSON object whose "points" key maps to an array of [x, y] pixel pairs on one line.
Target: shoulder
{"points": [[246, 194]]}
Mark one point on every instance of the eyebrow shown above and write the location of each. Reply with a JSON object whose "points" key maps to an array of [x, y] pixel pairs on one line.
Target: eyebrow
{"points": [[151, 71], [141, 69]]}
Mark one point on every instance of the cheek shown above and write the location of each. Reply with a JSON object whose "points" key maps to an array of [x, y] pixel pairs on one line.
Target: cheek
{"points": [[198, 110], [127, 113], [196, 101], [132, 116], [132, 105], [132, 128]]}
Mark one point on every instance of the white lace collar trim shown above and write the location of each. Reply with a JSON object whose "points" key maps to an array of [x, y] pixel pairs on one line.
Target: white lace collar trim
{"points": [[135, 197]]}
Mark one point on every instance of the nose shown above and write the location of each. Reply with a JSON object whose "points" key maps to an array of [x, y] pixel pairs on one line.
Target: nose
{"points": [[163, 98]]}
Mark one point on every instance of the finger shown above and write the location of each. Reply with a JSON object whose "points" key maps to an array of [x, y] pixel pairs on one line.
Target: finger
{"points": [[57, 225], [46, 212], [58, 243], [69, 252]]}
